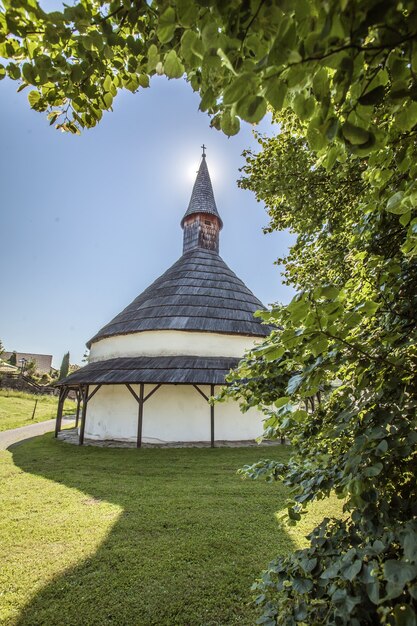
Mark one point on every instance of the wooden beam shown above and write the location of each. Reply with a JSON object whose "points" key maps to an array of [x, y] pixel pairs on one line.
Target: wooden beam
{"points": [[137, 398], [212, 417], [77, 416], [140, 416], [133, 392], [59, 411], [93, 392], [152, 392], [201, 392], [83, 414]]}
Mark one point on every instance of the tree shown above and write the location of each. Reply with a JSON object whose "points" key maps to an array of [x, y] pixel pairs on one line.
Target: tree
{"points": [[29, 368], [13, 358], [1, 348], [342, 76], [65, 364], [340, 376]]}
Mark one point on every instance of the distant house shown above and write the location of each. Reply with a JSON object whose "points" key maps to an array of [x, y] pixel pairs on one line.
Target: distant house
{"points": [[43, 361], [6, 368]]}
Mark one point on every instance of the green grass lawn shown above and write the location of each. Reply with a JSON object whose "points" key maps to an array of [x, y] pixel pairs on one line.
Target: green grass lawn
{"points": [[16, 408], [92, 536]]}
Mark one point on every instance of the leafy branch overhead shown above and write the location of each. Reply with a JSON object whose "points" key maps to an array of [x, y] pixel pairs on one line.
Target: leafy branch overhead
{"points": [[338, 375], [338, 379]]}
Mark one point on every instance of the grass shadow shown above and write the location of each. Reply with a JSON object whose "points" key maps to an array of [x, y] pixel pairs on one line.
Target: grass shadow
{"points": [[182, 537]]}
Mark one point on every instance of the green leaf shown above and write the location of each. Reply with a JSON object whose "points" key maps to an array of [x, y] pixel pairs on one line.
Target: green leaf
{"points": [[303, 107], [76, 72], [226, 61], [370, 307], [108, 100], [208, 100], [191, 47], [13, 70], [143, 80], [241, 86], [330, 292], [187, 12], [33, 97], [372, 589], [319, 346], [375, 96], [107, 84], [2, 71], [404, 615], [331, 572], [354, 134], [373, 470], [410, 545], [275, 93], [274, 353], [352, 570], [399, 572], [167, 25], [251, 108], [282, 401], [315, 136], [153, 57], [210, 36], [294, 383], [302, 585], [308, 565], [173, 67], [407, 118], [230, 124], [405, 218], [394, 204]]}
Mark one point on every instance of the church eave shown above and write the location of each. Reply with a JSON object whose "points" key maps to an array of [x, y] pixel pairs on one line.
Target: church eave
{"points": [[176, 370]]}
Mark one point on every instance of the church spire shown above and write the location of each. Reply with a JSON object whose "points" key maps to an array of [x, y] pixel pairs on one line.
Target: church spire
{"points": [[202, 222]]}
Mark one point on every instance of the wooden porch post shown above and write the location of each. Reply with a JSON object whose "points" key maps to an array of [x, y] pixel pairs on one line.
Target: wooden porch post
{"points": [[59, 411], [77, 416], [212, 417], [83, 413], [140, 416]]}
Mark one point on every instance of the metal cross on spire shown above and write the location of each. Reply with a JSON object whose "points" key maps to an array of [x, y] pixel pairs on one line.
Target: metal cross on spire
{"points": [[204, 150]]}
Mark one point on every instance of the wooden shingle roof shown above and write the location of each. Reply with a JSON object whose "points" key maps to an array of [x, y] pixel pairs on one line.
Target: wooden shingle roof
{"points": [[198, 293], [202, 197], [195, 370]]}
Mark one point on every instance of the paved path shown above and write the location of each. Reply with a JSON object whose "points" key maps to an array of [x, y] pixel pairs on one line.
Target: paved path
{"points": [[8, 437]]}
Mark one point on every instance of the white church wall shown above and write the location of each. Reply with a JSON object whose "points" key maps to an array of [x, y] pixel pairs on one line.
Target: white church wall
{"points": [[171, 343], [230, 424], [173, 413], [112, 413], [176, 413]]}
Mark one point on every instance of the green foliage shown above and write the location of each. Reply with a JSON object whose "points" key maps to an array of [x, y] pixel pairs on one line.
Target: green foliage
{"points": [[13, 358], [338, 378], [1, 348], [65, 366]]}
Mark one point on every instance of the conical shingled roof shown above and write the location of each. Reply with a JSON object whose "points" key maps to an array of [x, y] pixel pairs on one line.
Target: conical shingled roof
{"points": [[202, 197], [198, 293]]}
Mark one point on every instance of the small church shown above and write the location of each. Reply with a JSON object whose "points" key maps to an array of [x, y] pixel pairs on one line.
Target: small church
{"points": [[153, 368]]}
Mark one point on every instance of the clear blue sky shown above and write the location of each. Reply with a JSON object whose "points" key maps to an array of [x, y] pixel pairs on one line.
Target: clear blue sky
{"points": [[88, 222]]}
